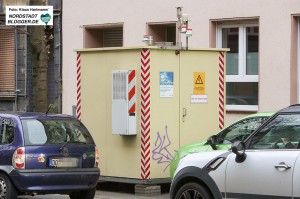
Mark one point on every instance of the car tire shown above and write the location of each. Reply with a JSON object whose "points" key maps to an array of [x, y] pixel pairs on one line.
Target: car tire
{"points": [[7, 189], [86, 194], [193, 190]]}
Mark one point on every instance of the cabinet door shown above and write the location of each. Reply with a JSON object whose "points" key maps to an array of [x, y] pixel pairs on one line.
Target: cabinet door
{"points": [[199, 111]]}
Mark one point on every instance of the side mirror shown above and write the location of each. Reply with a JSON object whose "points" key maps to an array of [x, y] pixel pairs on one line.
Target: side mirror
{"points": [[212, 141], [238, 148]]}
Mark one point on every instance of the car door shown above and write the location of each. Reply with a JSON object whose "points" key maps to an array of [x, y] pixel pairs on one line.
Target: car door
{"points": [[257, 177], [296, 179], [267, 171]]}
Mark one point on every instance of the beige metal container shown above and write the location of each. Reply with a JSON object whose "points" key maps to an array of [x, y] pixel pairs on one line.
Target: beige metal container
{"points": [[179, 99]]}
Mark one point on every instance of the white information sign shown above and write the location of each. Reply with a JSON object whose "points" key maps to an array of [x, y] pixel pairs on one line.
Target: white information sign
{"points": [[166, 84], [29, 15], [199, 99]]}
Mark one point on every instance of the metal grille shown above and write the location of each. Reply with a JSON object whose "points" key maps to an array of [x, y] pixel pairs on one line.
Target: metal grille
{"points": [[112, 37], [7, 60], [119, 85]]}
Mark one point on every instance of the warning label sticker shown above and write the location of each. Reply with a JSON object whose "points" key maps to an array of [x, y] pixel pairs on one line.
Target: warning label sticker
{"points": [[199, 83]]}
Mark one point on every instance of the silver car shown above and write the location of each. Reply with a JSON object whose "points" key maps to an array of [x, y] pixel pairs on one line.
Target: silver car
{"points": [[265, 165]]}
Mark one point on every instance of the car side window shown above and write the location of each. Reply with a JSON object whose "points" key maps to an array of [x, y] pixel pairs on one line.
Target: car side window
{"points": [[281, 133], [240, 130], [36, 133], [7, 131]]}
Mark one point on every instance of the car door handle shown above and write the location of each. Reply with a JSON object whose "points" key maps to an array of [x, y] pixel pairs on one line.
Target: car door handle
{"points": [[282, 165]]}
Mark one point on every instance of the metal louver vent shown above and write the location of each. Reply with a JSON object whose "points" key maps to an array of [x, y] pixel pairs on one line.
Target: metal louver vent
{"points": [[112, 37], [119, 85]]}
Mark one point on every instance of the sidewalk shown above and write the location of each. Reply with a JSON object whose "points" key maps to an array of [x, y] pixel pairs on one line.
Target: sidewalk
{"points": [[109, 190], [116, 195]]}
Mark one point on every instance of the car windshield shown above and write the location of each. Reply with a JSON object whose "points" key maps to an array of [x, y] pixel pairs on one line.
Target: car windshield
{"points": [[55, 131], [240, 130]]}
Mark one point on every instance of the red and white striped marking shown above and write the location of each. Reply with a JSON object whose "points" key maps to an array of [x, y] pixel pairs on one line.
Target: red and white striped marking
{"points": [[78, 110], [221, 90], [145, 114], [131, 92]]}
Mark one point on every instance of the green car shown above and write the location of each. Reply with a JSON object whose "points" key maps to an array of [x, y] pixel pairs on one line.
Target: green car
{"points": [[239, 130]]}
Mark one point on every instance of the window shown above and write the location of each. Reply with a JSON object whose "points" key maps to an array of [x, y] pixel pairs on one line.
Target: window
{"points": [[241, 65], [240, 130], [55, 131], [36, 132], [163, 34], [7, 131], [103, 36], [298, 61], [281, 133]]}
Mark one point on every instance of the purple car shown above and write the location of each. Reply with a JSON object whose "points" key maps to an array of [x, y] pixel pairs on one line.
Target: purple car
{"points": [[46, 153]]}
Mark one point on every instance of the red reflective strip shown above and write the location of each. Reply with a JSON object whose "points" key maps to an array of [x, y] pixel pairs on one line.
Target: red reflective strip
{"points": [[131, 93], [132, 109], [131, 76]]}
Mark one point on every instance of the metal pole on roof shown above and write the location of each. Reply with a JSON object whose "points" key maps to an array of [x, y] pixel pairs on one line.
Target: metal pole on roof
{"points": [[186, 37], [179, 24]]}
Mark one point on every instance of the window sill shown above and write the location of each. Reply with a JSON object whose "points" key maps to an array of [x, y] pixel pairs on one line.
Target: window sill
{"points": [[241, 108]]}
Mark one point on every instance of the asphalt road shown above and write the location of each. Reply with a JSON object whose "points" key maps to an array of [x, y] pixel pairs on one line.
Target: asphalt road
{"points": [[99, 195], [109, 191]]}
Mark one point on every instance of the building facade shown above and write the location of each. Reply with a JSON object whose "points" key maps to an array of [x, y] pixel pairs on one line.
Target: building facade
{"points": [[16, 71], [263, 37]]}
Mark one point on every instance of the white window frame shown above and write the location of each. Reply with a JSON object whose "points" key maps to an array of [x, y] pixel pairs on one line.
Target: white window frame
{"points": [[298, 63], [242, 76]]}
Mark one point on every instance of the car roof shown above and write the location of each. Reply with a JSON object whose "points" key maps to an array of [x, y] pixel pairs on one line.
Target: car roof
{"points": [[291, 109], [260, 114], [33, 115]]}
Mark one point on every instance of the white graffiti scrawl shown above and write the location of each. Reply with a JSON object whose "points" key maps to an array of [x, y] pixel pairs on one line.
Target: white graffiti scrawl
{"points": [[161, 152]]}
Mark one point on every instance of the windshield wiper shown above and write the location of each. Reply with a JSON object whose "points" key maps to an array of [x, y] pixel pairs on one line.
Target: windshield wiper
{"points": [[68, 142]]}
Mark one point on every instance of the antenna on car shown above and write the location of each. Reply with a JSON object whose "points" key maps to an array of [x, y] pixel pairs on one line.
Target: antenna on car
{"points": [[50, 108]]}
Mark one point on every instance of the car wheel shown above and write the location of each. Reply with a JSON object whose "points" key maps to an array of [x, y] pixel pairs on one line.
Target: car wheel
{"points": [[86, 194], [192, 191], [74, 195], [7, 189]]}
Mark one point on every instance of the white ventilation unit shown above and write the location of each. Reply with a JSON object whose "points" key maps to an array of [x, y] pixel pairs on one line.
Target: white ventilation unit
{"points": [[124, 102]]}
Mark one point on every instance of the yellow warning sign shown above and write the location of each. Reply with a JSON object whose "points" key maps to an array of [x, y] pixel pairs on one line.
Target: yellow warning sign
{"points": [[199, 83]]}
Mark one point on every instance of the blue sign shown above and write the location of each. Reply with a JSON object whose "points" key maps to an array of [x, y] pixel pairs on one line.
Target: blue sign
{"points": [[166, 81], [166, 78]]}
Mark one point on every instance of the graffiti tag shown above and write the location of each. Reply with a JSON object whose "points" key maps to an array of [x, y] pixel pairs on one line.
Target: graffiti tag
{"points": [[161, 152]]}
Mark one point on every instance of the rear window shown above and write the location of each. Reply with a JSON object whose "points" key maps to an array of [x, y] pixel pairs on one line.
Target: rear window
{"points": [[55, 131]]}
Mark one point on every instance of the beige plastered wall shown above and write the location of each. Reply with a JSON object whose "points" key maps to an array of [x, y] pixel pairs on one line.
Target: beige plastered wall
{"points": [[277, 44]]}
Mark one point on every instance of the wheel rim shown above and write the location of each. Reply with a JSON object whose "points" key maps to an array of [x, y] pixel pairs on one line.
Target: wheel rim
{"points": [[191, 194], [2, 188]]}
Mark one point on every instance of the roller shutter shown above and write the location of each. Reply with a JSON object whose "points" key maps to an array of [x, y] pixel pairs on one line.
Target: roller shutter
{"points": [[113, 37], [7, 60]]}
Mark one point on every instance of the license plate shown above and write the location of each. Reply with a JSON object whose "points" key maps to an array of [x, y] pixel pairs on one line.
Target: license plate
{"points": [[63, 162]]}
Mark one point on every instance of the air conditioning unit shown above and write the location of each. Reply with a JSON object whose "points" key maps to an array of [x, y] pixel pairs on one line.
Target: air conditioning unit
{"points": [[124, 102]]}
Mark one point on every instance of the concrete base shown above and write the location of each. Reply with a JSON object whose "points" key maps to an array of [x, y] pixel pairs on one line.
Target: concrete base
{"points": [[134, 181], [147, 190]]}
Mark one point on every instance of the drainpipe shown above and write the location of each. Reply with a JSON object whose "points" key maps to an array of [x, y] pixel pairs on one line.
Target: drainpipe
{"points": [[16, 70], [25, 63]]}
